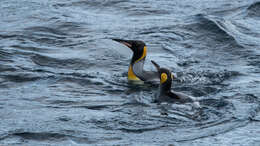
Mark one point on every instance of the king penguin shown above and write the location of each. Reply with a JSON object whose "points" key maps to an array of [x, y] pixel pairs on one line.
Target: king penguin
{"points": [[136, 71], [166, 94]]}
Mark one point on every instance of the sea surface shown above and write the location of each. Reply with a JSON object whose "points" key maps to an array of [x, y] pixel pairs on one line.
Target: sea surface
{"points": [[63, 81]]}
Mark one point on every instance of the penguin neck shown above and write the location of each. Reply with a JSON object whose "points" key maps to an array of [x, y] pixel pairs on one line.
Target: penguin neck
{"points": [[138, 56], [135, 70], [165, 88]]}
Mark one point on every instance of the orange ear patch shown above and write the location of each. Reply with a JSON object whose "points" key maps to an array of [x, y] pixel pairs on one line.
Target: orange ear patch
{"points": [[163, 78]]}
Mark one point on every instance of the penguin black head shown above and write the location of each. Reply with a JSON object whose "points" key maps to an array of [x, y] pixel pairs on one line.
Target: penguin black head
{"points": [[165, 76], [138, 48]]}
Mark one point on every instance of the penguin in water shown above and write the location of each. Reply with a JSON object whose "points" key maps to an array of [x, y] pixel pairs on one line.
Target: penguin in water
{"points": [[165, 94], [136, 71]]}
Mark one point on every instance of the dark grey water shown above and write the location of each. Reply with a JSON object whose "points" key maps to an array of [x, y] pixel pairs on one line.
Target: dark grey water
{"points": [[63, 81]]}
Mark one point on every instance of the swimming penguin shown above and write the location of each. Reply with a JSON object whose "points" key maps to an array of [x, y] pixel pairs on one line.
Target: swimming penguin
{"points": [[165, 93], [135, 70]]}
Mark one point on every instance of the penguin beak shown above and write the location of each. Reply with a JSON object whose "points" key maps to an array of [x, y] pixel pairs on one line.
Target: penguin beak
{"points": [[128, 43], [157, 66]]}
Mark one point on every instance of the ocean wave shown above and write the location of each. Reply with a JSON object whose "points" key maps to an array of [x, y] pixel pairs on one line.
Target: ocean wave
{"points": [[224, 30], [254, 10], [22, 77], [5, 56], [41, 136], [60, 63], [44, 29], [47, 137], [229, 30]]}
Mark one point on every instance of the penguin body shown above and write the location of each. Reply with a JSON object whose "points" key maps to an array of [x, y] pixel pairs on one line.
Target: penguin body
{"points": [[136, 70], [166, 94]]}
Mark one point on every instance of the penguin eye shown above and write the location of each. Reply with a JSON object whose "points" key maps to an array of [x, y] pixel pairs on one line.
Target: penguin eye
{"points": [[163, 78]]}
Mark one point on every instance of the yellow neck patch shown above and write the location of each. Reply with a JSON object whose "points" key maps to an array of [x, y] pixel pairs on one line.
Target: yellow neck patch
{"points": [[131, 75], [144, 54], [163, 78]]}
